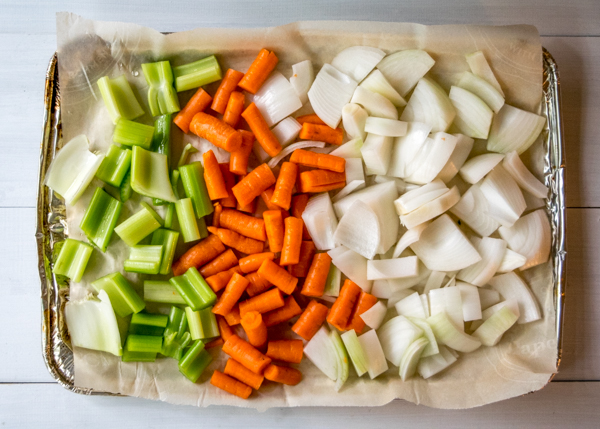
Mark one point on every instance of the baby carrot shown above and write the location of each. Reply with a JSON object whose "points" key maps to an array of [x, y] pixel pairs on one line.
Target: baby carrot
{"points": [[199, 101], [216, 131], [229, 179], [233, 291], [238, 162], [253, 184], [217, 214], [237, 241], [273, 273], [307, 252], [286, 350], [257, 284], [314, 285], [258, 125], [238, 371], [255, 328], [266, 196], [299, 202], [319, 160], [317, 189], [292, 241], [342, 307], [252, 263], [214, 343], [224, 328], [258, 71], [233, 317], [250, 208], [220, 280], [246, 354], [203, 252], [282, 195], [311, 119], [263, 303], [213, 177], [365, 301], [223, 262], [234, 108], [275, 229], [321, 133], [226, 87], [241, 223], [283, 314], [321, 177], [311, 320], [283, 375], [230, 385]]}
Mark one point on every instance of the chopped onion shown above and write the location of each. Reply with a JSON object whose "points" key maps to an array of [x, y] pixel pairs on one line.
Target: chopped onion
{"points": [[435, 280], [329, 93], [376, 82], [353, 266], [505, 200], [488, 297], [276, 99], [354, 170], [492, 252], [530, 237], [460, 154], [400, 184], [374, 315], [376, 153], [429, 104], [357, 61], [527, 181], [473, 209], [491, 331], [411, 306], [354, 119], [432, 209], [337, 251], [350, 149], [375, 104], [431, 158], [287, 130], [451, 282], [511, 286], [395, 336], [365, 239], [514, 129], [510, 303], [302, 78], [511, 261], [403, 69], [446, 333], [386, 127], [473, 116], [432, 347], [480, 67], [289, 149], [533, 203], [397, 296], [260, 153], [477, 167], [410, 359], [432, 365], [482, 89], [406, 148], [381, 289], [447, 300], [321, 351], [320, 220], [392, 268], [408, 282], [420, 196], [341, 354], [355, 351], [348, 189], [471, 305], [376, 362]]}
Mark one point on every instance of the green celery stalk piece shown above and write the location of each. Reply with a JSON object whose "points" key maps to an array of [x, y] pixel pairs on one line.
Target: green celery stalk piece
{"points": [[194, 290], [167, 239], [187, 220], [194, 323], [176, 336], [174, 347], [196, 74], [162, 97], [129, 356], [144, 259], [72, 259], [144, 343], [139, 226], [161, 291], [202, 228], [175, 183], [100, 218], [119, 98], [195, 361], [150, 175], [169, 215], [177, 323], [123, 297], [114, 166], [130, 133], [332, 284], [210, 327], [148, 324], [161, 143], [185, 154], [125, 191], [192, 177]]}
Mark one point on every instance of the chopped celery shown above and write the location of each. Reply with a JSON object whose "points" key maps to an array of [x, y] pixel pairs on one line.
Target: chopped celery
{"points": [[100, 218], [187, 220], [192, 177], [185, 154], [175, 183], [332, 284], [148, 324], [194, 323], [162, 97], [119, 98], [125, 190], [123, 297], [198, 73], [129, 356], [169, 215], [194, 289], [202, 228], [168, 240], [176, 336], [144, 259], [115, 165], [131, 133], [144, 343], [195, 361], [161, 291], [139, 226], [202, 323], [150, 175], [72, 259], [177, 322], [161, 143]]}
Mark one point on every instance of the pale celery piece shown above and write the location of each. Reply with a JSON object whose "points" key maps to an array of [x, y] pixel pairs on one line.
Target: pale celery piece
{"points": [[162, 97], [169, 215], [192, 177], [144, 259], [202, 323], [123, 297], [139, 226], [115, 165], [144, 343], [161, 291], [72, 259], [119, 98], [129, 356], [195, 361], [148, 324], [176, 336], [198, 73], [131, 133], [150, 175], [187, 220], [167, 239], [125, 191], [100, 218], [194, 290], [185, 154], [332, 285]]}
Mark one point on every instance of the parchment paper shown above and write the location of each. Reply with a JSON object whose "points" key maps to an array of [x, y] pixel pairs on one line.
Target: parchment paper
{"points": [[88, 50]]}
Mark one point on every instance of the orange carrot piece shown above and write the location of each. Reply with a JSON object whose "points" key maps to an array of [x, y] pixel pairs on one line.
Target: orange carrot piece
{"points": [[220, 280], [246, 354], [252, 263], [299, 202], [321, 177], [314, 285], [258, 125], [214, 343], [283, 314], [292, 241], [282, 195], [342, 307], [275, 229], [229, 179], [213, 177], [238, 371], [317, 189], [230, 385], [263, 303], [223, 262], [273, 273], [319, 160], [200, 254], [217, 214], [266, 196], [216, 131], [255, 328], [321, 133], [286, 350], [311, 320], [365, 301], [224, 328], [253, 184], [307, 252], [257, 284], [283, 375], [250, 208], [226, 87], [311, 119], [233, 317], [238, 162], [249, 226], [233, 292], [235, 106], [237, 241], [258, 71], [199, 101]]}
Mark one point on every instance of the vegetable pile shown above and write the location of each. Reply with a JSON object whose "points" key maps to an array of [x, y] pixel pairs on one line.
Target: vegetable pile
{"points": [[391, 227]]}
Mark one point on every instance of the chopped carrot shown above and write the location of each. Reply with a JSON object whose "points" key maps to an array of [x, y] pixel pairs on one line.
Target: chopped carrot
{"points": [[317, 275], [273, 273], [275, 229], [263, 303], [214, 343], [252, 263], [286, 350], [365, 301], [233, 292], [226, 87], [217, 214], [342, 307], [234, 108], [283, 375], [199, 101], [321, 133], [241, 223], [258, 71], [266, 196], [257, 285], [255, 328], [292, 241], [216, 131], [250, 208], [230, 385], [307, 252], [224, 328], [319, 160], [258, 125], [213, 177], [314, 178], [203, 252], [237, 241], [311, 119], [253, 184], [283, 314], [233, 317], [238, 371], [229, 179], [223, 262], [246, 354], [317, 189], [220, 280], [299, 202], [238, 162], [311, 320], [282, 195]]}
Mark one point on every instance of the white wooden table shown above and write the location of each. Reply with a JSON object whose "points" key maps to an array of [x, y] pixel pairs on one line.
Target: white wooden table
{"points": [[28, 395]]}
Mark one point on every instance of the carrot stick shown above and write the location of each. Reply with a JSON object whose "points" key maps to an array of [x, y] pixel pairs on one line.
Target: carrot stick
{"points": [[246, 354], [200, 254], [257, 285], [283, 375], [286, 350], [223, 262], [312, 189], [224, 328], [307, 252], [273, 273], [321, 133], [216, 131], [217, 214], [321, 177], [255, 328], [220, 280], [318, 160], [233, 317], [258, 125], [199, 101], [311, 320], [250, 208], [258, 71], [237, 241], [342, 307], [238, 371], [275, 229], [311, 119], [238, 162], [253, 184], [365, 301], [213, 177], [226, 87], [235, 106], [283, 314], [314, 284], [229, 179], [299, 202], [214, 343], [248, 226], [292, 241], [233, 291], [230, 385], [252, 263], [282, 195], [263, 303], [266, 196]]}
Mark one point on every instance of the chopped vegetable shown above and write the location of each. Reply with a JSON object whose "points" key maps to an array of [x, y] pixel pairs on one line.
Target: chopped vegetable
{"points": [[72, 259], [194, 290], [119, 98], [100, 218], [114, 166], [226, 88], [123, 297], [144, 259], [130, 133], [198, 73], [150, 175], [195, 361], [139, 226]]}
